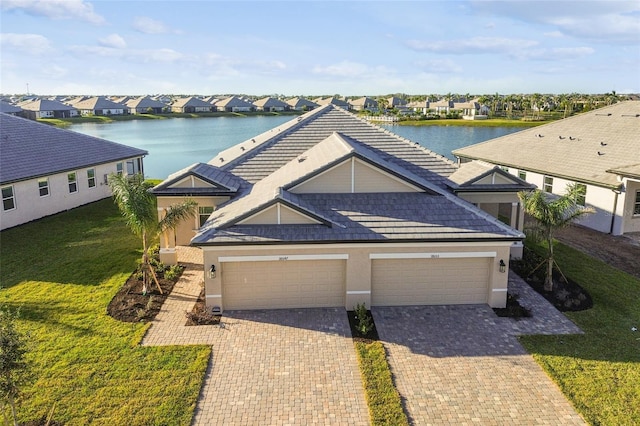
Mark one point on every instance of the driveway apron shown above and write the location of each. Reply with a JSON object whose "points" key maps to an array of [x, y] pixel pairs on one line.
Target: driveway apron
{"points": [[463, 365]]}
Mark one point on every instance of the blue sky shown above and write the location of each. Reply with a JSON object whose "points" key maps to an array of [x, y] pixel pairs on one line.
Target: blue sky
{"points": [[319, 47]]}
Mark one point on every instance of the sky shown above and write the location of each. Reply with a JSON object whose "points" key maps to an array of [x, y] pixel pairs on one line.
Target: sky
{"points": [[313, 48]]}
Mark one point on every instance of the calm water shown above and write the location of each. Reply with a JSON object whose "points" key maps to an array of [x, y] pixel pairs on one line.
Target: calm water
{"points": [[179, 142]]}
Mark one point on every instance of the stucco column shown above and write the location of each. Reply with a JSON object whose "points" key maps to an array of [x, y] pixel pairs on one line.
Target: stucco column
{"points": [[499, 281], [358, 280], [168, 254]]}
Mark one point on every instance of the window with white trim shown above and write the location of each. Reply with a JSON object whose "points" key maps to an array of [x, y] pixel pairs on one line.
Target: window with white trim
{"points": [[91, 178], [43, 187], [522, 174], [72, 181], [203, 214], [8, 198], [636, 206], [548, 184], [581, 194], [119, 168]]}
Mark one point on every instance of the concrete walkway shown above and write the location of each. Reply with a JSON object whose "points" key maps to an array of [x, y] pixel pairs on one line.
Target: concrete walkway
{"points": [[463, 365], [267, 367]]}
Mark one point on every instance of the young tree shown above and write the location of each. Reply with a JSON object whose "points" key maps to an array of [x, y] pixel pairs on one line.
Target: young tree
{"points": [[13, 365], [552, 213], [138, 206]]}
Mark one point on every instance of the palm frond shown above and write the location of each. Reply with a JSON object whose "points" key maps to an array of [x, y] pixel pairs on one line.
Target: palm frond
{"points": [[176, 214]]}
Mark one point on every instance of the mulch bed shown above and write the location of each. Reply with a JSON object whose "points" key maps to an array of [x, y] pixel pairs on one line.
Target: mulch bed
{"points": [[200, 315], [130, 305], [513, 308], [357, 336]]}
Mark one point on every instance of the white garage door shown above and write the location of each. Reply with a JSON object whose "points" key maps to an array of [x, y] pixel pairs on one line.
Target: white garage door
{"points": [[399, 282], [283, 284]]}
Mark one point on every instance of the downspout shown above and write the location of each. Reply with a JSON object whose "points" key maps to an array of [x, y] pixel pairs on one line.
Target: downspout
{"points": [[613, 213]]}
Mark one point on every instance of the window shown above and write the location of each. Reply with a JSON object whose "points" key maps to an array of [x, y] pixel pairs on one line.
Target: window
{"points": [[91, 178], [581, 194], [73, 184], [204, 213], [636, 206], [505, 169], [548, 184], [8, 199], [43, 186], [119, 168], [522, 174]]}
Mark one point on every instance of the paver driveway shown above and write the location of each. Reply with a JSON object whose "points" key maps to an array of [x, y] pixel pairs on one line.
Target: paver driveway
{"points": [[462, 365]]}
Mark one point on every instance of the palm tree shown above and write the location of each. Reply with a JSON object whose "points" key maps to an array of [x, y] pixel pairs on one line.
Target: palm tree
{"points": [[552, 213], [138, 206]]}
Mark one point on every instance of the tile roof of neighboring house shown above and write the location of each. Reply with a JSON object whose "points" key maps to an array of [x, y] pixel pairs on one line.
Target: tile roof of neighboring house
{"points": [[232, 102], [333, 101], [8, 108], [46, 105], [394, 101], [97, 103], [631, 170], [145, 102], [31, 149], [301, 102], [190, 102], [364, 101], [466, 178], [269, 102], [273, 163], [223, 183], [580, 148]]}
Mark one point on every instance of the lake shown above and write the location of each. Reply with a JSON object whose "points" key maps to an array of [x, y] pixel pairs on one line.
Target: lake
{"points": [[179, 142]]}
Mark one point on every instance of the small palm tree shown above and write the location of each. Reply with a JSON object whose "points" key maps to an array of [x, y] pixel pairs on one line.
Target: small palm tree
{"points": [[552, 213], [138, 206]]}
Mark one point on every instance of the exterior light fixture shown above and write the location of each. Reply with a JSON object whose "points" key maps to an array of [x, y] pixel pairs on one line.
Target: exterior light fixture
{"points": [[212, 271], [503, 266]]}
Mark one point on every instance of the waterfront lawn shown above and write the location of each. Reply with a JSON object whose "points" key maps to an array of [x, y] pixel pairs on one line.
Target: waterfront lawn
{"points": [[61, 272], [600, 370], [493, 122]]}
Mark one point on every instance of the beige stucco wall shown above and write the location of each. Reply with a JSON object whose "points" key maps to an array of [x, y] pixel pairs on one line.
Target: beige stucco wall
{"points": [[31, 206], [631, 221], [358, 264]]}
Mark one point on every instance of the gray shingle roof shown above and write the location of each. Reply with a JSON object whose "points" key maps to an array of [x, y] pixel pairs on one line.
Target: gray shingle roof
{"points": [[46, 105], [270, 102], [7, 108], [581, 148], [97, 103], [144, 102], [301, 102], [232, 102], [31, 149], [190, 102]]}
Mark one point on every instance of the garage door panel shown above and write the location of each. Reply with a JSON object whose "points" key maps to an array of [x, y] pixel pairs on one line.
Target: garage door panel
{"points": [[278, 284], [397, 282]]}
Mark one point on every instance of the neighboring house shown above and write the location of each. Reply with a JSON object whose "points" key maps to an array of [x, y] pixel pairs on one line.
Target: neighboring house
{"points": [[7, 108], [191, 105], [421, 107], [471, 110], [234, 104], [599, 150], [46, 170], [398, 104], [146, 105], [45, 108], [333, 101], [364, 103], [99, 105], [271, 104], [330, 210], [301, 104]]}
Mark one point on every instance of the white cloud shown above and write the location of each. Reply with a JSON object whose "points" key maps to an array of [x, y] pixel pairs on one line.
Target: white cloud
{"points": [[342, 69], [475, 45], [439, 66], [113, 40], [554, 34], [130, 55], [34, 44], [56, 9], [556, 54], [148, 25]]}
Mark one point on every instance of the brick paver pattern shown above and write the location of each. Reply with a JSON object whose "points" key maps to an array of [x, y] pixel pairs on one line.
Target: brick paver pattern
{"points": [[268, 367]]}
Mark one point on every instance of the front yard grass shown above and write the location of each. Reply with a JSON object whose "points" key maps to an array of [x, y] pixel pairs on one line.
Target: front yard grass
{"points": [[61, 272], [600, 370]]}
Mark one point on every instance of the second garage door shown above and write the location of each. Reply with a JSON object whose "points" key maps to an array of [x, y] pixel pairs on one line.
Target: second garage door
{"points": [[283, 284], [400, 282]]}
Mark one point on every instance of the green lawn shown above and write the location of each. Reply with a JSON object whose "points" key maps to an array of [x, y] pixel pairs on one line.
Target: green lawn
{"points": [[600, 370], [61, 272], [493, 122]]}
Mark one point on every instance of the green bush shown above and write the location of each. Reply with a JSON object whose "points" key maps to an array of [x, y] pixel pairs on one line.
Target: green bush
{"points": [[365, 322], [173, 272]]}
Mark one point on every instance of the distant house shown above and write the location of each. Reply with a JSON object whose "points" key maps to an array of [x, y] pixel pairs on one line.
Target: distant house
{"points": [[145, 105], [234, 104], [271, 104], [472, 110], [364, 103], [46, 170], [598, 150], [99, 105], [191, 105], [45, 108], [7, 108], [421, 107], [301, 104], [333, 101], [399, 104]]}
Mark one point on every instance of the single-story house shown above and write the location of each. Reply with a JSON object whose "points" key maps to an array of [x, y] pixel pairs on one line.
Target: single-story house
{"points": [[333, 101], [234, 104], [301, 104], [598, 150], [364, 103], [45, 108], [46, 170], [331, 210], [271, 104], [145, 105], [191, 105], [99, 105], [7, 108]]}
